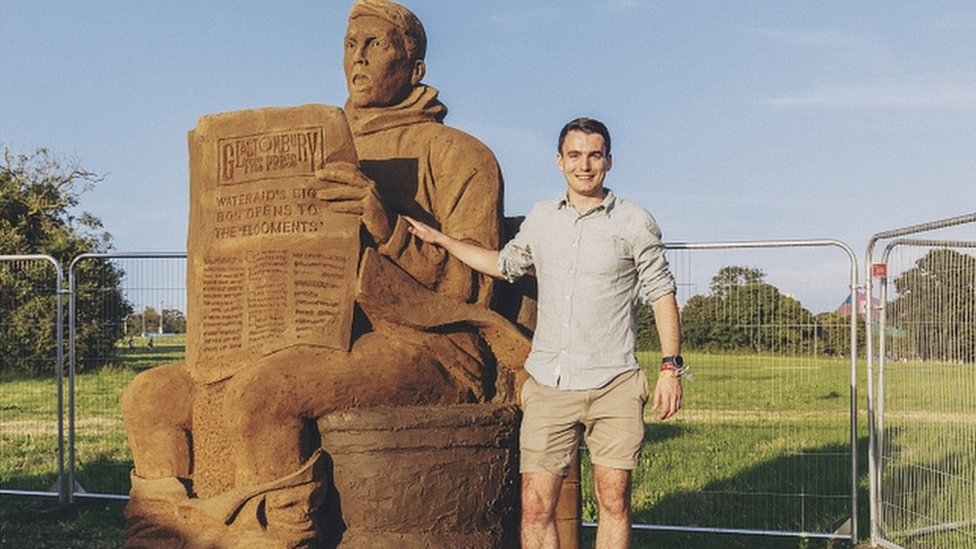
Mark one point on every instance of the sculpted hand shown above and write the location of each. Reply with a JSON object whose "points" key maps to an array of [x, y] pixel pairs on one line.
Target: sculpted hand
{"points": [[668, 394], [354, 193]]}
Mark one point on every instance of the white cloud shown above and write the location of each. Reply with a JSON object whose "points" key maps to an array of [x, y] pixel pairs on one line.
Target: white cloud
{"points": [[925, 91]]}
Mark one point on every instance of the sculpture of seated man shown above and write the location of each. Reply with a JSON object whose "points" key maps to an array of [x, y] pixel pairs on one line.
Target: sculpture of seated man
{"points": [[410, 164]]}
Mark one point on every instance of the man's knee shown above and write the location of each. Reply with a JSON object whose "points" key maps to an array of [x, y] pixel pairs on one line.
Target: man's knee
{"points": [[612, 487], [540, 493]]}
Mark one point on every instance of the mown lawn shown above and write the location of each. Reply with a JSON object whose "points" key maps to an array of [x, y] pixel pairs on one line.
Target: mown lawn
{"points": [[762, 444]]}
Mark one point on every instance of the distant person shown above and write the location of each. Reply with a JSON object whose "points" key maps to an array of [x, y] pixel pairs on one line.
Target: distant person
{"points": [[592, 253], [150, 345], [132, 344]]}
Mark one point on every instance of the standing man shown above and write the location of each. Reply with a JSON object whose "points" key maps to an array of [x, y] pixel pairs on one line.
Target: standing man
{"points": [[593, 253]]}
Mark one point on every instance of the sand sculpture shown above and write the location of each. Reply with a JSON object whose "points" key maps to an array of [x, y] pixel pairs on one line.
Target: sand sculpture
{"points": [[345, 384]]}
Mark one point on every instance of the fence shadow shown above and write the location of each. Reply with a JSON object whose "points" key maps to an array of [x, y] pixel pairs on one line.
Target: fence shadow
{"points": [[768, 496]]}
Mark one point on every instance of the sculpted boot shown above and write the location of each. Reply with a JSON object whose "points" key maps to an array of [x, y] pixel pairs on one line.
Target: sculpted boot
{"points": [[152, 514], [281, 514]]}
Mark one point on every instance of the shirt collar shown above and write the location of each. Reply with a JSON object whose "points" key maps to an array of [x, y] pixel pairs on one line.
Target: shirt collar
{"points": [[609, 201]]}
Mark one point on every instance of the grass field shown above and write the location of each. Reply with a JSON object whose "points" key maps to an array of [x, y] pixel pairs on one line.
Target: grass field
{"points": [[763, 443]]}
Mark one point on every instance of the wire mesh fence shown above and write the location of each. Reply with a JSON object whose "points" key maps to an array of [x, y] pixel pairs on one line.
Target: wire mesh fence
{"points": [[766, 443], [31, 376], [144, 297], [925, 437]]}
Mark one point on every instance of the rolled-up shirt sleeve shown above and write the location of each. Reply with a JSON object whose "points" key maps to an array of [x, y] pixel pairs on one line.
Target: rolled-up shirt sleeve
{"points": [[515, 260], [653, 272]]}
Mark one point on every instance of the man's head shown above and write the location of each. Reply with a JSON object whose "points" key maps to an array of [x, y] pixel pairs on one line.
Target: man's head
{"points": [[384, 49], [585, 125], [584, 158]]}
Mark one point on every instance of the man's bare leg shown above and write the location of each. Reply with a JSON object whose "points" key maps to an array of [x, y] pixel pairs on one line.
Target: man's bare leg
{"points": [[613, 489], [540, 492]]}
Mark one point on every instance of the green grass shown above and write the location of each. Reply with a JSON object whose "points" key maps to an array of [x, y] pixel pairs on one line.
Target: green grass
{"points": [[39, 523], [762, 443], [28, 453]]}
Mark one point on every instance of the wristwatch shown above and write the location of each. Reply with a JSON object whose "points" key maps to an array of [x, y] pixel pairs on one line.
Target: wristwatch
{"points": [[674, 360]]}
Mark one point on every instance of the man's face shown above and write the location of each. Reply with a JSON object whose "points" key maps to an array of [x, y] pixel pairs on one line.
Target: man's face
{"points": [[584, 163], [378, 69]]}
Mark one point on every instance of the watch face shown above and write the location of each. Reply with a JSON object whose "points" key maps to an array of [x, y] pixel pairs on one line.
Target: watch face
{"points": [[676, 360]]}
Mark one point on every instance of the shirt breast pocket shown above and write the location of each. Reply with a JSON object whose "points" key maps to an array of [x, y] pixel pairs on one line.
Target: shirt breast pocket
{"points": [[606, 256]]}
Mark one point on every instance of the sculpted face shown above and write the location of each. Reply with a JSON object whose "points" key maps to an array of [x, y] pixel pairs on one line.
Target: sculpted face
{"points": [[378, 68]]}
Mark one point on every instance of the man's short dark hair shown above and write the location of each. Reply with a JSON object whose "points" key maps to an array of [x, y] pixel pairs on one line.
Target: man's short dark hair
{"points": [[585, 125]]}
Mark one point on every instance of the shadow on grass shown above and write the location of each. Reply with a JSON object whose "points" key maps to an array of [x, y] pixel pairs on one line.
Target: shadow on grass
{"points": [[931, 483], [40, 523], [807, 491], [43, 523], [104, 476], [746, 500]]}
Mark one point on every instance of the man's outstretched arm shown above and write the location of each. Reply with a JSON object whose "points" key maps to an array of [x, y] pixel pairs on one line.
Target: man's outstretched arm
{"points": [[474, 256]]}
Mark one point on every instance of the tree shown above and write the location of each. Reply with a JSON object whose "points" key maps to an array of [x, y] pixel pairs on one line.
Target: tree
{"points": [[647, 336], [734, 276], [173, 322], [834, 334], [745, 313], [37, 195], [935, 311]]}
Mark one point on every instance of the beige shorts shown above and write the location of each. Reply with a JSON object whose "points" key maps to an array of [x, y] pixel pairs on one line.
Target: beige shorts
{"points": [[612, 418]]}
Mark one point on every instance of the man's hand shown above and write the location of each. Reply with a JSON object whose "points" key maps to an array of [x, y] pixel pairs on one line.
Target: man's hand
{"points": [[355, 194], [473, 255], [668, 394], [424, 231]]}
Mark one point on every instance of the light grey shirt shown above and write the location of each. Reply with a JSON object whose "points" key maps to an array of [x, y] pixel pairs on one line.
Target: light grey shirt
{"points": [[591, 269]]}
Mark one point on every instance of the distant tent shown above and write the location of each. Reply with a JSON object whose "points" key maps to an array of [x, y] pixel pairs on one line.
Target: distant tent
{"points": [[845, 308]]}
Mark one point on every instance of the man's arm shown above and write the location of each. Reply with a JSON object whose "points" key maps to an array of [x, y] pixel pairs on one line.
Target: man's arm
{"points": [[668, 393], [472, 255]]}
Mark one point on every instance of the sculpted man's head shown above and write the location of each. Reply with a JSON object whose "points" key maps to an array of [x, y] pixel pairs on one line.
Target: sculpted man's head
{"points": [[384, 51]]}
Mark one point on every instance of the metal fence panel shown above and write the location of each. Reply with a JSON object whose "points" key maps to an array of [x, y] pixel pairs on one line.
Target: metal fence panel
{"points": [[924, 414], [771, 413], [792, 423], [151, 333], [31, 376]]}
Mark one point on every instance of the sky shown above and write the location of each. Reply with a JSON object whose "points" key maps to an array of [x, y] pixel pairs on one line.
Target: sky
{"points": [[731, 120]]}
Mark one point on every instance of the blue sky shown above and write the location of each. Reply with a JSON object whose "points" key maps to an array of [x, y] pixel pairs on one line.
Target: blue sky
{"points": [[731, 120]]}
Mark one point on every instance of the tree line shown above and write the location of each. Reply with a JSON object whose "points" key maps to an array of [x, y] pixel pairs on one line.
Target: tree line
{"points": [[742, 313], [932, 317]]}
